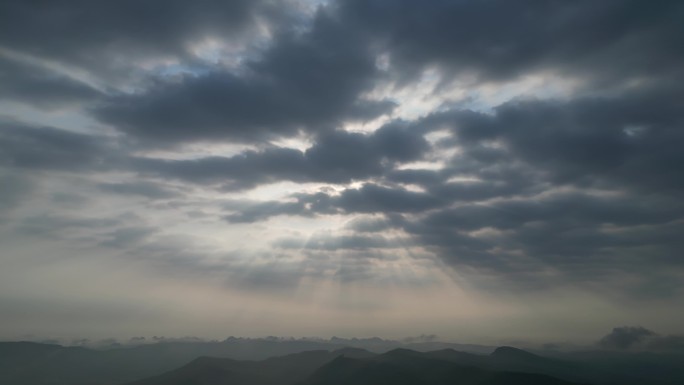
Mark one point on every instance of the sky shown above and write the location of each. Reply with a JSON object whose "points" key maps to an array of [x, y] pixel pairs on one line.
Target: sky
{"points": [[480, 170]]}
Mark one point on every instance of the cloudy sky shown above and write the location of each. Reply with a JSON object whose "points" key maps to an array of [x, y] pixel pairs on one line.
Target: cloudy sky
{"points": [[480, 170]]}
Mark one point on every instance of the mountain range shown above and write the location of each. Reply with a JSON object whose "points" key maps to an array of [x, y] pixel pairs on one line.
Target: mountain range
{"points": [[313, 363]]}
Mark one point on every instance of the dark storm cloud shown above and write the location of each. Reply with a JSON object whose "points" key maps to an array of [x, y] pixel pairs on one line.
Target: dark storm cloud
{"points": [[580, 236], [480, 180], [577, 235], [140, 188], [305, 81], [631, 139], [560, 207], [623, 142], [47, 148], [92, 33], [512, 217], [372, 198], [335, 157], [499, 39], [627, 145], [579, 187], [245, 170], [567, 231], [27, 83], [416, 176], [369, 198], [364, 110]]}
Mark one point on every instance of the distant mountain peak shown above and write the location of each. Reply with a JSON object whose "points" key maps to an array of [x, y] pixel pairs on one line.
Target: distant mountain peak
{"points": [[511, 352], [402, 352], [353, 352]]}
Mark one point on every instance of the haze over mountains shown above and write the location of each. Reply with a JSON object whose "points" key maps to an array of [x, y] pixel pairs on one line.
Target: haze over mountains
{"points": [[282, 362]]}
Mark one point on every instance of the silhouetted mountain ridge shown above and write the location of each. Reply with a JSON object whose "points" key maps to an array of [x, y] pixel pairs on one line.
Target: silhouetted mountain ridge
{"points": [[509, 352], [414, 368], [346, 366], [25, 363], [283, 370]]}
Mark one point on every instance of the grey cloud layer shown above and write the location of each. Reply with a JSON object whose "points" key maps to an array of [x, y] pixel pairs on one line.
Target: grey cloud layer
{"points": [[335, 157], [607, 41], [29, 83], [95, 33], [303, 81], [583, 186], [50, 148]]}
